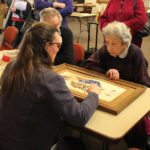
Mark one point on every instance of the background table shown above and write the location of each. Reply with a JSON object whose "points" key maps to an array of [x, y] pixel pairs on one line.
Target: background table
{"points": [[83, 7], [79, 17]]}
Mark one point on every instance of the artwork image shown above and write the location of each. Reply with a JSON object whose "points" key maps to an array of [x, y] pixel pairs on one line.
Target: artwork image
{"points": [[81, 84], [115, 95]]}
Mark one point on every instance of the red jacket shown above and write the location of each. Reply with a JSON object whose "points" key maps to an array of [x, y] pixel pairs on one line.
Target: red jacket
{"points": [[125, 14]]}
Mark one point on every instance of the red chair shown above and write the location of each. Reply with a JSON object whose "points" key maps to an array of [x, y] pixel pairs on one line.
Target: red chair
{"points": [[78, 53], [10, 35]]}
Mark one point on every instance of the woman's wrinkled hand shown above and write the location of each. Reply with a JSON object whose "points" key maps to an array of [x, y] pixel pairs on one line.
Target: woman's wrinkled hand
{"points": [[113, 74]]}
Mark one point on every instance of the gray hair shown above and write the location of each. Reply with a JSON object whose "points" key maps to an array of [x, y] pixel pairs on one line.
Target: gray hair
{"points": [[50, 13], [118, 29]]}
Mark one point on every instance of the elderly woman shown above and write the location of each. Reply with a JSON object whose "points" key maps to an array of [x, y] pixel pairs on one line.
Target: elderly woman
{"points": [[35, 101], [118, 58]]}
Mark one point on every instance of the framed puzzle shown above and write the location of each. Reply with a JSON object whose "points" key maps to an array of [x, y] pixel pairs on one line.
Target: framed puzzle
{"points": [[115, 94]]}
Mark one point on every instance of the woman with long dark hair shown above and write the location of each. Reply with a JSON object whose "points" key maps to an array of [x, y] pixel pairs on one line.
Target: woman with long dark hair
{"points": [[34, 100]]}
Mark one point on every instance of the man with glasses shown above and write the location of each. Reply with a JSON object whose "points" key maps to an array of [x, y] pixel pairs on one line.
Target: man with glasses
{"points": [[65, 54]]}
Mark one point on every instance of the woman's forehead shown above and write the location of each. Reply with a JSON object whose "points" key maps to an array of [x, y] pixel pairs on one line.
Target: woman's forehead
{"points": [[113, 38]]}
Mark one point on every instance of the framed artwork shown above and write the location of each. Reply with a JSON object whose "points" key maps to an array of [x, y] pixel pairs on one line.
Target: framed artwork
{"points": [[115, 94]]}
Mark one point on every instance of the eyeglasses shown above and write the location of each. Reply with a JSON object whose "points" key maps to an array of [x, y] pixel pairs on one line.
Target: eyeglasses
{"points": [[57, 44]]}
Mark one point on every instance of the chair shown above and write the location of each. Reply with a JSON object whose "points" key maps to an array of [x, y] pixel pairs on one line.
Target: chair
{"points": [[10, 35], [78, 53]]}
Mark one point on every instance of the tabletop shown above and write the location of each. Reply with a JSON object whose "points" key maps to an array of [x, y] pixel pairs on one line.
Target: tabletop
{"points": [[84, 5], [8, 53], [82, 15], [114, 127]]}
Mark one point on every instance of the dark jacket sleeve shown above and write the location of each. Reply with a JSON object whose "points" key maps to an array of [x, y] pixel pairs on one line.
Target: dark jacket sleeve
{"points": [[141, 68], [63, 103], [94, 62], [66, 52]]}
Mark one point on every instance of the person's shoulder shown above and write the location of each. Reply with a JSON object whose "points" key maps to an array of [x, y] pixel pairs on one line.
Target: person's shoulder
{"points": [[48, 77], [135, 50], [66, 33], [47, 73], [135, 53], [65, 30]]}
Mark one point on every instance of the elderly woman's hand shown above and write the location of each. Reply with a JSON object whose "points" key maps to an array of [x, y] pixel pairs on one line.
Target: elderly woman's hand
{"points": [[94, 88], [59, 5], [113, 74]]}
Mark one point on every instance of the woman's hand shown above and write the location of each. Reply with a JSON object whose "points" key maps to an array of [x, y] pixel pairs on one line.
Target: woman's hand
{"points": [[13, 9], [94, 88], [113, 74], [59, 5]]}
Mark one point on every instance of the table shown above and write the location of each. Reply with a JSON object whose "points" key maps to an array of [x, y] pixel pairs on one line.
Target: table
{"points": [[2, 67], [83, 7], [11, 53], [79, 17], [112, 127]]}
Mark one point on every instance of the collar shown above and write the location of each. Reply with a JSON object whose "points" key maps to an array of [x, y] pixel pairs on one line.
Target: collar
{"points": [[125, 52]]}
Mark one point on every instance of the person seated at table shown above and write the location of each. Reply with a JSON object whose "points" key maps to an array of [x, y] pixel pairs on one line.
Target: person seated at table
{"points": [[118, 58], [66, 52], [65, 7], [34, 100]]}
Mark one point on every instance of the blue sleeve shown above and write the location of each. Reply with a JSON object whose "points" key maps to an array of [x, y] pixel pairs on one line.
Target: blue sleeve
{"points": [[39, 4], [68, 9]]}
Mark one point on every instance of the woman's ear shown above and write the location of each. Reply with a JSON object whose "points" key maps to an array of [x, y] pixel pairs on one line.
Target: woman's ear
{"points": [[47, 46], [126, 44]]}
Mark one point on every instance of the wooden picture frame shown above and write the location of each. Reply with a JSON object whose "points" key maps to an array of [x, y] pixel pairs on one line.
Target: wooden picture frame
{"points": [[115, 94]]}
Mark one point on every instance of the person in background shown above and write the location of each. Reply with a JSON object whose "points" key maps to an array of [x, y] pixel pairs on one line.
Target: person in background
{"points": [[123, 11], [119, 58], [34, 100], [66, 52], [65, 7], [19, 13]]}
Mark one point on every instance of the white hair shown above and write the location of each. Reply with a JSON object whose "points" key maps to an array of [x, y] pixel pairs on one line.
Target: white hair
{"points": [[118, 29], [50, 13]]}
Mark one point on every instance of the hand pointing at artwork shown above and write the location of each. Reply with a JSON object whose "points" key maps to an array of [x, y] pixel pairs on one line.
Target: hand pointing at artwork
{"points": [[94, 88]]}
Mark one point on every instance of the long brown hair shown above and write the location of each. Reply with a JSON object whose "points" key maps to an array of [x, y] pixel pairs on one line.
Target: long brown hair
{"points": [[32, 55]]}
